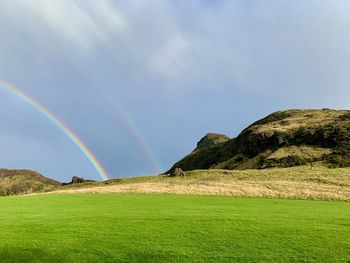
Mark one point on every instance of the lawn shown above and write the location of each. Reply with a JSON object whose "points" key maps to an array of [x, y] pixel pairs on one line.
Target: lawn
{"points": [[169, 228]]}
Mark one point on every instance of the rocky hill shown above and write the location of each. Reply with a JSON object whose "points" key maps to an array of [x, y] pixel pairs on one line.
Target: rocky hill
{"points": [[211, 139], [23, 182], [282, 139]]}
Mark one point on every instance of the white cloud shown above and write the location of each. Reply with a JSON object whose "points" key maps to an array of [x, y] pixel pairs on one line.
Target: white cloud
{"points": [[82, 23], [173, 58]]}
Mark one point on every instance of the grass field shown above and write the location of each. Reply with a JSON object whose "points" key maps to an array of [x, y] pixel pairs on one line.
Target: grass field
{"points": [[169, 228]]}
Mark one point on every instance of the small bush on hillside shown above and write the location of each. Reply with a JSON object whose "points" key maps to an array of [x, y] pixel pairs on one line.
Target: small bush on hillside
{"points": [[288, 161], [339, 158], [4, 191], [20, 187], [345, 117], [15, 188], [284, 123]]}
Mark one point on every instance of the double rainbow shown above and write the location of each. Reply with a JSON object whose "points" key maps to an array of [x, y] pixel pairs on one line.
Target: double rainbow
{"points": [[122, 116], [60, 124]]}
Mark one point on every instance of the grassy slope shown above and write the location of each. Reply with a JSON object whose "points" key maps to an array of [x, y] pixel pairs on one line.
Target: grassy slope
{"points": [[295, 182], [149, 228], [24, 181]]}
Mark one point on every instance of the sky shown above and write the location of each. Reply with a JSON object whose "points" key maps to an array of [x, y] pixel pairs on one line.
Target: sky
{"points": [[140, 82]]}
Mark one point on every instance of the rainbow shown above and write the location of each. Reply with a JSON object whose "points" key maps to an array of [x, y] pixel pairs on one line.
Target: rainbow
{"points": [[123, 117], [139, 138], [67, 131]]}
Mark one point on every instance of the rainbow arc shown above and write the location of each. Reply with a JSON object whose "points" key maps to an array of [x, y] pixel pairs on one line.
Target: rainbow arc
{"points": [[60, 124]]}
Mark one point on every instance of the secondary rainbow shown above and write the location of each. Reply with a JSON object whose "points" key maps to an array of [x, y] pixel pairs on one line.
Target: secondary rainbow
{"points": [[122, 115], [59, 123], [145, 147]]}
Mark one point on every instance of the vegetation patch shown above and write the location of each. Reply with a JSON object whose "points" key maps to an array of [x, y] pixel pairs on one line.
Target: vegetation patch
{"points": [[345, 117], [288, 161], [339, 158]]}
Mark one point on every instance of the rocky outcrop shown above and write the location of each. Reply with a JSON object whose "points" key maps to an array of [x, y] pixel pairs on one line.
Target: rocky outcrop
{"points": [[177, 172], [77, 180], [211, 139]]}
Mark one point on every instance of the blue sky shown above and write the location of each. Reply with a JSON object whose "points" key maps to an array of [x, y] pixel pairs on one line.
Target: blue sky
{"points": [[141, 82]]}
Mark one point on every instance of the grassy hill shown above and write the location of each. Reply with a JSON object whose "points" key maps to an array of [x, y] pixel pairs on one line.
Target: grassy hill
{"points": [[24, 182], [302, 182], [282, 139]]}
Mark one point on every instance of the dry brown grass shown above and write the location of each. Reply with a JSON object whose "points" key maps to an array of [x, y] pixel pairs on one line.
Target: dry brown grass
{"points": [[297, 182], [246, 189]]}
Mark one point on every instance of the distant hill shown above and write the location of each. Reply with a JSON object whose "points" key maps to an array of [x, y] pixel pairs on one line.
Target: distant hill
{"points": [[24, 182], [282, 139]]}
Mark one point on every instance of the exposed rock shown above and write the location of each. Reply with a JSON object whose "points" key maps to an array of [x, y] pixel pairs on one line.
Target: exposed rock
{"points": [[178, 173], [77, 180]]}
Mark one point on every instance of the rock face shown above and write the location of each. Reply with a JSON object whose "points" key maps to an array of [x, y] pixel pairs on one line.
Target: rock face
{"points": [[177, 172], [77, 180], [282, 139]]}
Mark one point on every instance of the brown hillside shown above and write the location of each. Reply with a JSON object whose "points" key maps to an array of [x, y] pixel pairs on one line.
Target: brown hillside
{"points": [[23, 182]]}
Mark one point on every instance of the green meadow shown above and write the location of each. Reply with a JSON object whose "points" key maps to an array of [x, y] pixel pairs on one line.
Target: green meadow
{"points": [[169, 228]]}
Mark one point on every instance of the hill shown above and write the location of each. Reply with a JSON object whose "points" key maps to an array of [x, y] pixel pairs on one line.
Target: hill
{"points": [[24, 182], [282, 139]]}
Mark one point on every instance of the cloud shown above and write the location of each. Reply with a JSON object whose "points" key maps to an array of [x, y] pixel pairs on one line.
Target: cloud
{"points": [[173, 58], [82, 23]]}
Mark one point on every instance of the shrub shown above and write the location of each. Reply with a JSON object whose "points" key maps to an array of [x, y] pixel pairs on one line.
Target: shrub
{"points": [[288, 161], [345, 117], [339, 158]]}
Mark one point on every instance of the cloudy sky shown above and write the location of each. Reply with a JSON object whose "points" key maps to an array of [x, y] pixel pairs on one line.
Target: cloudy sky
{"points": [[140, 82]]}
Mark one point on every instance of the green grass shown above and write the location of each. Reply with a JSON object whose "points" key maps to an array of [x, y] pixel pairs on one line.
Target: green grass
{"points": [[166, 228]]}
